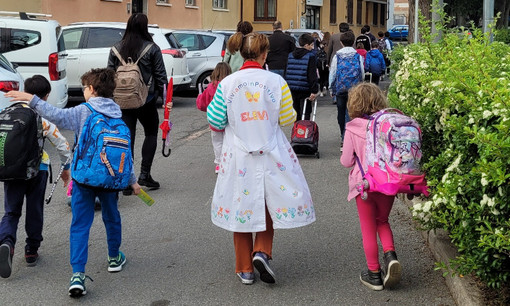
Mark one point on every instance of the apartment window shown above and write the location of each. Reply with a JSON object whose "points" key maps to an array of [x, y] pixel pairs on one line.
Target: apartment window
{"points": [[375, 12], [332, 11], [350, 8], [265, 10], [219, 4], [163, 1], [190, 2], [359, 12], [383, 14]]}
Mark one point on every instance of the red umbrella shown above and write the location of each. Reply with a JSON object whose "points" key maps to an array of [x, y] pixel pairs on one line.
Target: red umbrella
{"points": [[166, 125]]}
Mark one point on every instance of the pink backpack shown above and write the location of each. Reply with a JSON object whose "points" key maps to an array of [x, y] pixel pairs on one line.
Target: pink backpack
{"points": [[393, 155]]}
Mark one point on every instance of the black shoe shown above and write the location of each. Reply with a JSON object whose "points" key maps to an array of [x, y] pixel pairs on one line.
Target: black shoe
{"points": [[146, 180], [31, 256], [128, 191], [372, 280], [6, 253], [392, 269]]}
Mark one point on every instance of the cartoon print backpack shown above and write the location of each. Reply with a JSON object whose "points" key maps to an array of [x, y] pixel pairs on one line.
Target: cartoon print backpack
{"points": [[348, 73], [322, 58], [393, 154], [130, 90], [382, 45], [21, 142], [103, 157]]}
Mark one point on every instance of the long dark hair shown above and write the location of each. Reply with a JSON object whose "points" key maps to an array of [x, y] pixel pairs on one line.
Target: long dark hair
{"points": [[137, 31]]}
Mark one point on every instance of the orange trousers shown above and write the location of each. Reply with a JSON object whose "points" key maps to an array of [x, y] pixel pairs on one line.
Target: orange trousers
{"points": [[245, 249]]}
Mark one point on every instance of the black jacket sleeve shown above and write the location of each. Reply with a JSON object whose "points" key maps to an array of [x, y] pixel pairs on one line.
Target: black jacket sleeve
{"points": [[312, 75]]}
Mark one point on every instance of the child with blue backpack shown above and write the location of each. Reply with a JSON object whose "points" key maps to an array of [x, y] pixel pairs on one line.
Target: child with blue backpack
{"points": [[375, 63], [373, 208], [32, 189], [98, 87], [345, 71]]}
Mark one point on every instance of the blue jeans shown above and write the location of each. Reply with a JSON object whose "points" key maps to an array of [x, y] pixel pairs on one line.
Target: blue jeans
{"points": [[82, 206], [343, 116], [14, 192], [278, 71]]}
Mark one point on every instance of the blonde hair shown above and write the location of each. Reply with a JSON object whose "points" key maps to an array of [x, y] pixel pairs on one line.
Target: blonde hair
{"points": [[365, 99], [254, 45], [221, 70]]}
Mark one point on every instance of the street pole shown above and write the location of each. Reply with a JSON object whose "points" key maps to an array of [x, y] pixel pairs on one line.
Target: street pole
{"points": [[416, 9], [435, 18], [488, 16]]}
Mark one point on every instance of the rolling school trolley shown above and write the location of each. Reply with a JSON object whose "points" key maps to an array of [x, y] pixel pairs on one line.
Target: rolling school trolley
{"points": [[305, 134]]}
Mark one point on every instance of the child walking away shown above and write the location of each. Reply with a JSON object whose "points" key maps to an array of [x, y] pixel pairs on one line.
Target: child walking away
{"points": [[301, 75], [260, 186], [365, 100], [375, 63], [345, 71], [221, 70], [95, 173], [15, 189]]}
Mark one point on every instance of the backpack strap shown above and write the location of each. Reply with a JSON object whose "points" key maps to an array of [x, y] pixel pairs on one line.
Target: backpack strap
{"points": [[145, 50], [117, 54]]}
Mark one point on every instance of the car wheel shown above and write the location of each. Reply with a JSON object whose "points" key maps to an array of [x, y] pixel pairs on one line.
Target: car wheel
{"points": [[204, 80]]}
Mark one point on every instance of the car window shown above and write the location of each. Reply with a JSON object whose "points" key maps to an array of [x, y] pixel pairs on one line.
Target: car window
{"points": [[103, 37], [18, 39], [189, 41], [208, 40], [72, 38], [4, 63], [174, 43]]}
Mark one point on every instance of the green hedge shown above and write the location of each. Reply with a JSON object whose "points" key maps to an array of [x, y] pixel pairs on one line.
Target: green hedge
{"points": [[459, 90]]}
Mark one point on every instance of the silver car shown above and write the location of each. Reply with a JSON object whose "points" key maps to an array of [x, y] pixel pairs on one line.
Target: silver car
{"points": [[10, 79], [205, 50]]}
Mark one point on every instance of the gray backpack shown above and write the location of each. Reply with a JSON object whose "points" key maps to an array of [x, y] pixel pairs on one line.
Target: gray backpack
{"points": [[131, 90]]}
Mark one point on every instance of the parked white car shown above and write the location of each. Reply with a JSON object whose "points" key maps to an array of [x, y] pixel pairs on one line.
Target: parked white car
{"points": [[35, 46], [88, 46], [10, 79]]}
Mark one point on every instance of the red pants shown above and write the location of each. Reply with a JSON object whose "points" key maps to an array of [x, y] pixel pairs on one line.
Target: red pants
{"points": [[245, 249], [373, 218]]}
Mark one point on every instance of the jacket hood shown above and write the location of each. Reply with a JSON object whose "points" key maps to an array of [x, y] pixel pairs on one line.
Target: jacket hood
{"points": [[358, 126], [300, 52], [373, 53], [346, 51], [105, 106]]}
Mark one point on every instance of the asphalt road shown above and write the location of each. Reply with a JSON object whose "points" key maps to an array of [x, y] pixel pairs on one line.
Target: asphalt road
{"points": [[176, 256]]}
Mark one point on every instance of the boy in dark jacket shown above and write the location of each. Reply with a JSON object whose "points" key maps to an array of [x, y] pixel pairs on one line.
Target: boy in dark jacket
{"points": [[375, 63], [301, 75]]}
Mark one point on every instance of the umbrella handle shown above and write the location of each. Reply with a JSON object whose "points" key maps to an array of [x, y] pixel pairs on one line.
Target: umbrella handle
{"points": [[167, 153]]}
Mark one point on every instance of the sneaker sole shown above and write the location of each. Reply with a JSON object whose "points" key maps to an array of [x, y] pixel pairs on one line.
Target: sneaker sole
{"points": [[369, 285], [117, 268], [76, 291], [266, 274], [393, 275], [32, 264], [245, 281], [5, 262]]}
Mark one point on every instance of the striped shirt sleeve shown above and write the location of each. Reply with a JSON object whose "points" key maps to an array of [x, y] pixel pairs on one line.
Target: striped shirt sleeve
{"points": [[217, 110], [287, 112]]}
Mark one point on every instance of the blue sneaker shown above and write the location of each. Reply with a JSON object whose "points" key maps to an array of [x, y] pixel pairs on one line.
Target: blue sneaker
{"points": [[247, 278], [77, 284], [115, 263], [6, 253], [261, 263]]}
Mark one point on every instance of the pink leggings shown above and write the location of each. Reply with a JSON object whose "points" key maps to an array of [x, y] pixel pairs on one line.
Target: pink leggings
{"points": [[373, 218]]}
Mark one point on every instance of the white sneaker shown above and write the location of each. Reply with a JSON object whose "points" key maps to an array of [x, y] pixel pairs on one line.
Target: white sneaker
{"points": [[321, 94]]}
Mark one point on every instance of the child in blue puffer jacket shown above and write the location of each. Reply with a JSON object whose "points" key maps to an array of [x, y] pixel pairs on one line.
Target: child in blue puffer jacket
{"points": [[375, 63]]}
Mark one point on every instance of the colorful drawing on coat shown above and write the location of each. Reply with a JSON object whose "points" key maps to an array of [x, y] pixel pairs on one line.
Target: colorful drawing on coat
{"points": [[293, 212], [252, 97], [243, 216], [219, 212], [282, 188], [280, 166], [295, 193], [246, 192], [242, 172]]}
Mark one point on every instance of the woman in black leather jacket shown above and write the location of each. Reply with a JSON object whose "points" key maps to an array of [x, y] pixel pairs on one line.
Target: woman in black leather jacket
{"points": [[152, 67]]}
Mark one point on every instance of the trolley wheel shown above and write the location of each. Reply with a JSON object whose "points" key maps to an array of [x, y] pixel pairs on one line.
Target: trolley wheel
{"points": [[317, 155]]}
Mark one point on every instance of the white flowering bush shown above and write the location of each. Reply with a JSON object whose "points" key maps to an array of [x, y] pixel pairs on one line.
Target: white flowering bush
{"points": [[458, 89]]}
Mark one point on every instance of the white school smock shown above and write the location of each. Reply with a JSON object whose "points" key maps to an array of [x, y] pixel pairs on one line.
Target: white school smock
{"points": [[258, 166]]}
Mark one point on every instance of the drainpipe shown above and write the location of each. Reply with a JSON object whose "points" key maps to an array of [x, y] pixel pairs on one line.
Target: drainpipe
{"points": [[416, 9], [242, 2], [488, 17]]}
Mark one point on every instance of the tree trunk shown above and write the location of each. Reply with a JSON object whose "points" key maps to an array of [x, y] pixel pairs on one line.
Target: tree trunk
{"points": [[502, 6], [424, 9]]}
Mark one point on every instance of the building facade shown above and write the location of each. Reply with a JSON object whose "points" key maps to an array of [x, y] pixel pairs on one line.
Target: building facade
{"points": [[324, 15]]}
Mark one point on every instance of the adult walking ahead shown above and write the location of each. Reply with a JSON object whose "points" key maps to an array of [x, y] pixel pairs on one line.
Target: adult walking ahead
{"points": [[135, 40], [260, 185], [280, 45]]}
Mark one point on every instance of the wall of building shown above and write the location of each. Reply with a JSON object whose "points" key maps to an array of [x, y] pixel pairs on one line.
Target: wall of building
{"points": [[218, 19]]}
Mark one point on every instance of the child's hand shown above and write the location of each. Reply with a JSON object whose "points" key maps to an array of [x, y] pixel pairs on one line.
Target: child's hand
{"points": [[136, 188], [66, 177], [169, 105], [19, 96]]}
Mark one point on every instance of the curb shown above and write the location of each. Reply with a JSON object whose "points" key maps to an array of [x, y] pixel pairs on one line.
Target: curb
{"points": [[464, 290]]}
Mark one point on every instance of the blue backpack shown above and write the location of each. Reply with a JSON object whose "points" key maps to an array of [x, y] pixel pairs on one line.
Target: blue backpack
{"points": [[102, 158], [348, 73]]}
